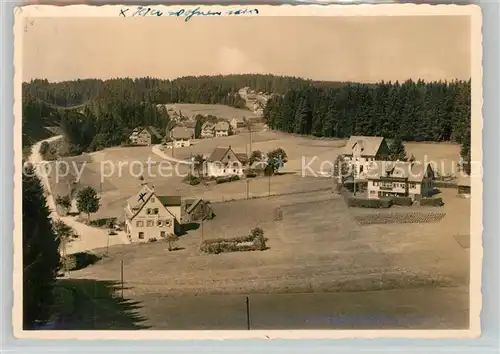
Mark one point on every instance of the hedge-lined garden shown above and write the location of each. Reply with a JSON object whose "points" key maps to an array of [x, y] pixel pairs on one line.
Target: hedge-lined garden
{"points": [[255, 241], [387, 202]]}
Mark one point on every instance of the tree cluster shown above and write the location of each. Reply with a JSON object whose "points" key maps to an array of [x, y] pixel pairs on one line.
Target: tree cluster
{"points": [[41, 260], [410, 111]]}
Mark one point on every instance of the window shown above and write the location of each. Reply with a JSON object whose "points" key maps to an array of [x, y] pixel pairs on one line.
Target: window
{"points": [[375, 183], [149, 223], [159, 223], [162, 234], [155, 211], [360, 169], [148, 211], [234, 170], [372, 192], [168, 223], [412, 185], [140, 223], [141, 235]]}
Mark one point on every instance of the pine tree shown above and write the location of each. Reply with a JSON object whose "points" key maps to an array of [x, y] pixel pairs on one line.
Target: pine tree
{"points": [[397, 151], [40, 253]]}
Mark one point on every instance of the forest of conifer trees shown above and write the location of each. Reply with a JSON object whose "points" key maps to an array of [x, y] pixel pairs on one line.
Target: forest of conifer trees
{"points": [[99, 113], [411, 111]]}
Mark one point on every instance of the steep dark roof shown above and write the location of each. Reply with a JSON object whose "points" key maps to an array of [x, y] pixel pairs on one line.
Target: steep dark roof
{"points": [[153, 131], [169, 200], [218, 154]]}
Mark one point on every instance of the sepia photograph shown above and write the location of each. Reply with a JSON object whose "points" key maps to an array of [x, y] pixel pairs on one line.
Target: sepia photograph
{"points": [[262, 169]]}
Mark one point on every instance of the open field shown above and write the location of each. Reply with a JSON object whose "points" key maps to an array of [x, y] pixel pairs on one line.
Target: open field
{"points": [[317, 249], [318, 154], [218, 110]]}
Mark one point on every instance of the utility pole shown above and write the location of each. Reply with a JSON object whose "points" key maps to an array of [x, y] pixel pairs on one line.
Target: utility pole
{"points": [[269, 186], [247, 303], [248, 184], [202, 219], [121, 276]]}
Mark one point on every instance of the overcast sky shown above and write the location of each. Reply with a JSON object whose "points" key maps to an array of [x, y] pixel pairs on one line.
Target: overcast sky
{"points": [[363, 49]]}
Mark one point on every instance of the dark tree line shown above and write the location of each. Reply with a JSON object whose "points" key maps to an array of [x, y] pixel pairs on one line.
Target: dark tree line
{"points": [[411, 111], [40, 254], [99, 113]]}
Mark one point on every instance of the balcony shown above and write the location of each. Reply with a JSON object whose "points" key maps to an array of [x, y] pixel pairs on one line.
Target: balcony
{"points": [[386, 188]]}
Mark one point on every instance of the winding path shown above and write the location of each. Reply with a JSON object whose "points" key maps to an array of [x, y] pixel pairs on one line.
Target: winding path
{"points": [[89, 237]]}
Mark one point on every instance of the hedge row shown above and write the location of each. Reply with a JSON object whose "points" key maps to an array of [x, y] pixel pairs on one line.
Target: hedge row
{"points": [[435, 202], [220, 245], [444, 184], [354, 202], [384, 202], [219, 180], [402, 201]]}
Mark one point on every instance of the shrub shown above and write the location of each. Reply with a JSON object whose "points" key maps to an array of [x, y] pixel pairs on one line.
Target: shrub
{"points": [[192, 180], [104, 222], [220, 245], [152, 239], [355, 202], [251, 175], [386, 202], [402, 201], [435, 202], [68, 263]]}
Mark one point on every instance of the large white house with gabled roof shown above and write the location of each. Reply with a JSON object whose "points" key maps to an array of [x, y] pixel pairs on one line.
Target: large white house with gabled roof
{"points": [[148, 216], [225, 162], [361, 150]]}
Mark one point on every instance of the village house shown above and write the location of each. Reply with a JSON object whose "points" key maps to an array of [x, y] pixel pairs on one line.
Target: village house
{"points": [[403, 179], [196, 210], [181, 136], [237, 122], [222, 129], [225, 162], [149, 216], [145, 136], [361, 150], [207, 130], [464, 186]]}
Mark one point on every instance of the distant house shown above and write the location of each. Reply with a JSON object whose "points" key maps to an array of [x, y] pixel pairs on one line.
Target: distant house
{"points": [[225, 162], [464, 186], [237, 122], [222, 129], [149, 216], [207, 130], [145, 136], [360, 150], [395, 178], [196, 210], [181, 136], [189, 124]]}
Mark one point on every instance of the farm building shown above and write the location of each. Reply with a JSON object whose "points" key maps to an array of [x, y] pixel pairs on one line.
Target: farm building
{"points": [[404, 179], [181, 136], [222, 129], [237, 122], [195, 210], [225, 162], [463, 185], [207, 130], [149, 216], [145, 136], [360, 150]]}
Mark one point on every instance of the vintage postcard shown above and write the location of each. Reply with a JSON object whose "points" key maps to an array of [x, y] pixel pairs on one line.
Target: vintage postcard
{"points": [[248, 172]]}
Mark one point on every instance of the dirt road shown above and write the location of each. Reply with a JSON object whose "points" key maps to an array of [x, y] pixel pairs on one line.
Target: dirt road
{"points": [[89, 237]]}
